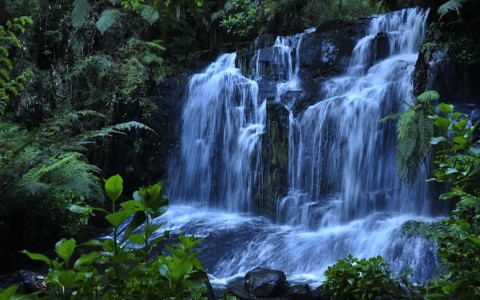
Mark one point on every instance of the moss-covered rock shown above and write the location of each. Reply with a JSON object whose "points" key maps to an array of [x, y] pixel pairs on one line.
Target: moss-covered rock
{"points": [[275, 160], [449, 59]]}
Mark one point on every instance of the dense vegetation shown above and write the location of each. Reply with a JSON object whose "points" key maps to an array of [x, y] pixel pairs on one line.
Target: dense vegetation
{"points": [[75, 76], [89, 70]]}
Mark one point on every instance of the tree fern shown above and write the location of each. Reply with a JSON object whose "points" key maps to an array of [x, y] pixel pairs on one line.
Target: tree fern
{"points": [[80, 13], [451, 5]]}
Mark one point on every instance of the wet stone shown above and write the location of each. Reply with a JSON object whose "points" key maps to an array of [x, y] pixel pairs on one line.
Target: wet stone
{"points": [[265, 282]]}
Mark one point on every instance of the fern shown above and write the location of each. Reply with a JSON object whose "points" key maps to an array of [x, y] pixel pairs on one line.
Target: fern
{"points": [[149, 13], [8, 36], [414, 132], [451, 5], [115, 129], [427, 97], [80, 13], [107, 19], [405, 129], [425, 134]]}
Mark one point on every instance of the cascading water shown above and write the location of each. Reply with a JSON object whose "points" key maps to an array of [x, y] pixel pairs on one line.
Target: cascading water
{"points": [[222, 124], [342, 153], [344, 196]]}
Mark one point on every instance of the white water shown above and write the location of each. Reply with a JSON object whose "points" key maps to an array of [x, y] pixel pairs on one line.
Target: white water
{"points": [[344, 196], [222, 125]]}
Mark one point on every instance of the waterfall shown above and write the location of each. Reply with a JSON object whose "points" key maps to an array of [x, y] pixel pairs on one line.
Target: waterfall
{"points": [[222, 124], [343, 195], [343, 155]]}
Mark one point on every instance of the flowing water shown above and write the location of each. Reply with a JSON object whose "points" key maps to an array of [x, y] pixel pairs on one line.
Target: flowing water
{"points": [[343, 196]]}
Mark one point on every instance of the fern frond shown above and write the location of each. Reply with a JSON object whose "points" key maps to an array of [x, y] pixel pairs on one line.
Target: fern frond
{"points": [[69, 172], [414, 132], [118, 128], [451, 5], [149, 13], [465, 199], [406, 126], [427, 97], [80, 13], [425, 134], [27, 188], [390, 118], [107, 19]]}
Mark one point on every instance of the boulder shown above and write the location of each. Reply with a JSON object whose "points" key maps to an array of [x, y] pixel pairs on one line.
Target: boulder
{"points": [[265, 283], [209, 293], [238, 289], [298, 292], [30, 281], [319, 294]]}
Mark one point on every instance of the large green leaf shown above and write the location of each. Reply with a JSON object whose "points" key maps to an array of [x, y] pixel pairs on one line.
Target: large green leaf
{"points": [[37, 256], [64, 249], [8, 293], [114, 187], [138, 238], [136, 221], [87, 259], [445, 108], [117, 218], [107, 19], [68, 279]]}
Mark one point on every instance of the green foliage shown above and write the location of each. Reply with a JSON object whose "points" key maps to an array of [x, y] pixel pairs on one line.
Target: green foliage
{"points": [[451, 5], [247, 18], [240, 17], [353, 278], [457, 238], [9, 37], [107, 19], [8, 293], [458, 248], [457, 158], [120, 270], [80, 13], [414, 131], [43, 171]]}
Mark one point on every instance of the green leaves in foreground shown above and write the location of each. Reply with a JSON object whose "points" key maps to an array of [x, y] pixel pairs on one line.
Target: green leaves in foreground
{"points": [[353, 278], [119, 270]]}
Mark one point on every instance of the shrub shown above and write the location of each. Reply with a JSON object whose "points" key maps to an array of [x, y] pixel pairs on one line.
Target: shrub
{"points": [[353, 278], [123, 267]]}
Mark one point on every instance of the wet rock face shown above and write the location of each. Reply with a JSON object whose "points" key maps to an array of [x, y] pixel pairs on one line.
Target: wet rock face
{"points": [[265, 283], [381, 46], [275, 159], [320, 55], [323, 53]]}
